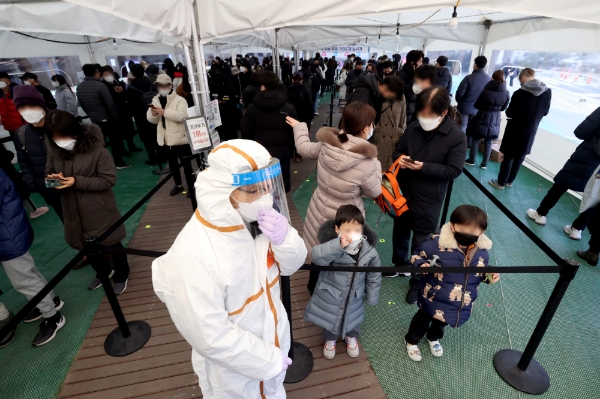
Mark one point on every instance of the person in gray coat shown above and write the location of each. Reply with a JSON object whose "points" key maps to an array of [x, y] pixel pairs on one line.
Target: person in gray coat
{"points": [[469, 89], [337, 303], [65, 98]]}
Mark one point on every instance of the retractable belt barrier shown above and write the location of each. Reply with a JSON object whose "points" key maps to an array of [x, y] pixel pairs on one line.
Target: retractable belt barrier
{"points": [[516, 368]]}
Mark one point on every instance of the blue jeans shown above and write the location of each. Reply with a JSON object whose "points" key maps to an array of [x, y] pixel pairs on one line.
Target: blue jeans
{"points": [[487, 150], [317, 104], [509, 168], [465, 119]]}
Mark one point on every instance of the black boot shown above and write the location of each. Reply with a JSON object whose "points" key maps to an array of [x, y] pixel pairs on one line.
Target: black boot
{"points": [[590, 257]]}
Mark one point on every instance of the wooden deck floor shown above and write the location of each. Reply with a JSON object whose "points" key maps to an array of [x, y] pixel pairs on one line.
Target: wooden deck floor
{"points": [[162, 368]]}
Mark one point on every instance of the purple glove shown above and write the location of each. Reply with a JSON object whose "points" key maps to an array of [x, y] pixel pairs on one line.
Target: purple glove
{"points": [[285, 363], [273, 225]]}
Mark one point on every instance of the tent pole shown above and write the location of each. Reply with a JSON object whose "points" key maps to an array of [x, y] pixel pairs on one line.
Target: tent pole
{"points": [[276, 56], [199, 57], [297, 57], [487, 24], [87, 40], [188, 61]]}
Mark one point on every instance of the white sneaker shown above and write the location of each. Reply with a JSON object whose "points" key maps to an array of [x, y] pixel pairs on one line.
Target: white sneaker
{"points": [[38, 212], [539, 219], [435, 348], [413, 352], [329, 350], [352, 347], [573, 233]]}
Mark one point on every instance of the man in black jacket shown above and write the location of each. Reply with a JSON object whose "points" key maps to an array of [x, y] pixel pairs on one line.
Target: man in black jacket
{"points": [[29, 78], [353, 74], [527, 107], [370, 90], [96, 101], [264, 122], [300, 98], [414, 59], [443, 76], [423, 78]]}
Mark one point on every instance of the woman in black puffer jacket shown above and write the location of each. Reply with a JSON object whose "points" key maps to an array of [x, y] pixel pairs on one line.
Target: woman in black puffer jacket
{"points": [[486, 123]]}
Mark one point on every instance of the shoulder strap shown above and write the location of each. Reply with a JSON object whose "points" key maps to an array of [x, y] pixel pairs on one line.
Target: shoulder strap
{"points": [[21, 134]]}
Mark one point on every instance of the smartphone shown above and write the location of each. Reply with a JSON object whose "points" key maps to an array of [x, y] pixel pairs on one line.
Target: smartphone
{"points": [[51, 183], [408, 160]]}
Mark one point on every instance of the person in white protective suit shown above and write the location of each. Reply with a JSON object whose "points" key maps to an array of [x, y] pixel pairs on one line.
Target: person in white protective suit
{"points": [[220, 279]]}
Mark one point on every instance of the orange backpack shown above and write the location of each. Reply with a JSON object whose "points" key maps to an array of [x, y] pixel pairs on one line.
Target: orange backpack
{"points": [[391, 200]]}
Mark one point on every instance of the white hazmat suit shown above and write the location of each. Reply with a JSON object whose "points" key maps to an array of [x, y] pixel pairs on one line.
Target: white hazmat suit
{"points": [[221, 286]]}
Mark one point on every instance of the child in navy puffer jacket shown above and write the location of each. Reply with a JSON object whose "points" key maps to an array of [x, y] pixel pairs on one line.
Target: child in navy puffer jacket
{"points": [[447, 298]]}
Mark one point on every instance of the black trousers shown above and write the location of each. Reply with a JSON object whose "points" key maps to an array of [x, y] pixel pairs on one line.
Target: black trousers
{"points": [[509, 168], [551, 199], [423, 324], [111, 129], [127, 130], [120, 264], [176, 153]]}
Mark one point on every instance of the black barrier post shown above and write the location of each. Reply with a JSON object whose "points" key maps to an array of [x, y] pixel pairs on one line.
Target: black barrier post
{"points": [[519, 369], [447, 203], [302, 356], [128, 337], [331, 105]]}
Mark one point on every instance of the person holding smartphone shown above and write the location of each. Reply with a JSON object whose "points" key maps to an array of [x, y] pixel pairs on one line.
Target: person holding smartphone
{"points": [[432, 152]]}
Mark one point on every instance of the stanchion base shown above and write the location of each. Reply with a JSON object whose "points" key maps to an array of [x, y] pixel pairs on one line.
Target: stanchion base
{"points": [[162, 171], [116, 345], [302, 365], [534, 380]]}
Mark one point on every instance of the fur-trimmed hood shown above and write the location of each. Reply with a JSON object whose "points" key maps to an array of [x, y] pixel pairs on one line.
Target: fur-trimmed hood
{"points": [[447, 239], [327, 233], [354, 145], [91, 139]]}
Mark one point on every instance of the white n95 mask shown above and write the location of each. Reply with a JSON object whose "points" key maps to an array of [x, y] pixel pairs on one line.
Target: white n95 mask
{"points": [[354, 246], [109, 79], [416, 88], [55, 84], [164, 92], [32, 115], [66, 144], [370, 134], [2, 85], [428, 124], [249, 211]]}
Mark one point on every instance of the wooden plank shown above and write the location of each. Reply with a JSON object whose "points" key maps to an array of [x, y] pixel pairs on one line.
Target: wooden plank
{"points": [[192, 391], [153, 341], [336, 387]]}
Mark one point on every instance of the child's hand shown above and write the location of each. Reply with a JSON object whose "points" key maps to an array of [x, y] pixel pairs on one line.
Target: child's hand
{"points": [[425, 265], [345, 241], [495, 277]]}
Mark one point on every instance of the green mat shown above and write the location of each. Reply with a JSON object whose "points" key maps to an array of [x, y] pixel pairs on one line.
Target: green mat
{"points": [[504, 315], [37, 373]]}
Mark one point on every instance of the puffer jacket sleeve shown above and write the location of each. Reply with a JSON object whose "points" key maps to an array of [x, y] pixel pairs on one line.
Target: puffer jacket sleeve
{"points": [[304, 146], [453, 166], [373, 282], [291, 254], [325, 254], [587, 129], [71, 102], [106, 175], [178, 112], [107, 99], [149, 116], [27, 172], [371, 186]]}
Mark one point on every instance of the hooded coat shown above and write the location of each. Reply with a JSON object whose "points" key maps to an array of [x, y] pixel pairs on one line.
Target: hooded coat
{"points": [[338, 302], [345, 173], [527, 107], [491, 102], [221, 285], [16, 234], [469, 90], [365, 89], [449, 297], [264, 122], [442, 152], [9, 116], [584, 161], [66, 100], [443, 78], [89, 206]]}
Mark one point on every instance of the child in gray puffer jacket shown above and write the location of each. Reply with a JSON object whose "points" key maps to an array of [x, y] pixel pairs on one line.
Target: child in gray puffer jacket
{"points": [[337, 304]]}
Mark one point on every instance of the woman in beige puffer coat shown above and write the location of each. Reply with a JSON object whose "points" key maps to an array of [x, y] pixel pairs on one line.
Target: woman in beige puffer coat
{"points": [[347, 169]]}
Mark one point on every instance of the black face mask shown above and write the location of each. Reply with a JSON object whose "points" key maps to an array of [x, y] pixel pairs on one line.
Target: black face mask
{"points": [[464, 239]]}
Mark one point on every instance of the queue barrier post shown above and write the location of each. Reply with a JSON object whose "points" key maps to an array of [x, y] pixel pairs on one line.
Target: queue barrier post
{"points": [[302, 358], [128, 337], [519, 369], [444, 217]]}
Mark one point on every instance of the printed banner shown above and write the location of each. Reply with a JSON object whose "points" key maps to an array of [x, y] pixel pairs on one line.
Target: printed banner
{"points": [[199, 136]]}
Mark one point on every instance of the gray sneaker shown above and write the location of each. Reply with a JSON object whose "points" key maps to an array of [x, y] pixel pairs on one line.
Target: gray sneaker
{"points": [[119, 288], [97, 283], [11, 334], [495, 183]]}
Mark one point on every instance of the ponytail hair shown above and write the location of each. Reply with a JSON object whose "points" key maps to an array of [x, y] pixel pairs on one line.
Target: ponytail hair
{"points": [[355, 118], [438, 100]]}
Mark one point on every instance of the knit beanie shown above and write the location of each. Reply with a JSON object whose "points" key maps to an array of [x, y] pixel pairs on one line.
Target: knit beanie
{"points": [[27, 95]]}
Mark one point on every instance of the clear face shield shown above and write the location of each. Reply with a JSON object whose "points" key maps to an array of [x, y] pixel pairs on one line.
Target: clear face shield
{"points": [[260, 190]]}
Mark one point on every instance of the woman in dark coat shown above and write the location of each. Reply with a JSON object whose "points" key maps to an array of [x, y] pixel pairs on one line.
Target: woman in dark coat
{"points": [[574, 176], [264, 122], [222, 91], [486, 123], [86, 174]]}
